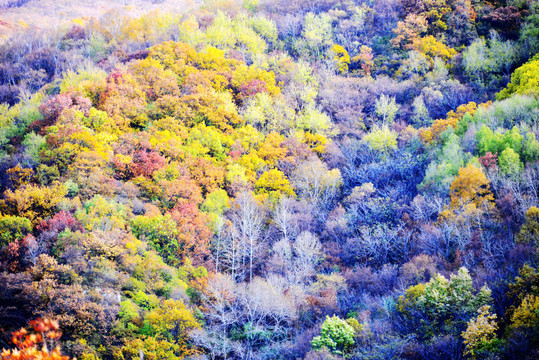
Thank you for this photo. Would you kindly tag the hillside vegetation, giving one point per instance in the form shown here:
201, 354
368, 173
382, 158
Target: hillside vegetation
259, 179
48, 14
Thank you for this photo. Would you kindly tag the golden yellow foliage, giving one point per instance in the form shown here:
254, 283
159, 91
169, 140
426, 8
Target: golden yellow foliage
433, 48
470, 195
529, 231
480, 335
527, 314
33, 202
408, 301
432, 134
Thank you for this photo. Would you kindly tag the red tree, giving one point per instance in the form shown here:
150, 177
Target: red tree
194, 234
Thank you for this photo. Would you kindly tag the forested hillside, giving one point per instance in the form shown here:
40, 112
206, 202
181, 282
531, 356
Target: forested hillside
270, 179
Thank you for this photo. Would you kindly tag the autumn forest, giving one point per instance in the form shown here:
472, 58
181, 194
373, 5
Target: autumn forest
269, 179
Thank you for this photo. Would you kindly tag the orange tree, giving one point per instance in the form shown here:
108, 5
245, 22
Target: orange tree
39, 344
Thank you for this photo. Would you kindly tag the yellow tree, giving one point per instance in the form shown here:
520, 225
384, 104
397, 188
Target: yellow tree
470, 195
341, 57
274, 183
432, 48
271, 150
433, 133
527, 314
529, 231
480, 335
172, 321
33, 202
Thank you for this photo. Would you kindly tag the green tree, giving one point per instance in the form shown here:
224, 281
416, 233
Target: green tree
248, 34
421, 113
445, 297
216, 202
443, 305
381, 139
268, 113
441, 173
33, 144
317, 33
529, 231
513, 139
484, 60
489, 141
524, 80
530, 148
13, 228
509, 162
529, 32
336, 335
313, 120
386, 108
161, 232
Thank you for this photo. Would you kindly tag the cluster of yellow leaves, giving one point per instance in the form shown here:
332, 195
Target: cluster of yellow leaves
433, 48
274, 182
33, 202
245, 74
527, 314
316, 142
529, 231
341, 57
432, 134
524, 80
270, 150
381, 139
470, 196
191, 99
408, 301
169, 323
171, 319
480, 332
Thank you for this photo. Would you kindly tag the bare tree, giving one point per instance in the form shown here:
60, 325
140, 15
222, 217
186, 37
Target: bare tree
219, 242
296, 261
263, 310
33, 250
308, 254
281, 261
282, 218
247, 218
318, 185
290, 217
233, 253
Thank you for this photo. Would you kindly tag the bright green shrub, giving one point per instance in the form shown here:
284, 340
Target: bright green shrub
336, 335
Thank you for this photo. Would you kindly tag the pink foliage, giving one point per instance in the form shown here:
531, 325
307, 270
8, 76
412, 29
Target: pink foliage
489, 161
146, 162
252, 88
60, 222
